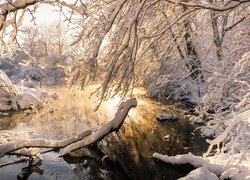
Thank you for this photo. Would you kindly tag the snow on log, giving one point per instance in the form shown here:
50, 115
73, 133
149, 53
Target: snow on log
212, 164
40, 143
200, 173
113, 125
196, 161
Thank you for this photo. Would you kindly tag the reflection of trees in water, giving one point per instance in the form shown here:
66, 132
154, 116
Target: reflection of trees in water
129, 150
27, 171
99, 168
12, 121
5, 125
135, 146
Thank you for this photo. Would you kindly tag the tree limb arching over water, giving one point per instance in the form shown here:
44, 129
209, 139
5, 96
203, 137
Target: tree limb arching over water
75, 142
113, 125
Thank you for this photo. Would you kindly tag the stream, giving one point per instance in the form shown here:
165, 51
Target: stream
125, 155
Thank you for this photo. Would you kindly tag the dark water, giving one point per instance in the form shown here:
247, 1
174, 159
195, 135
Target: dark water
128, 153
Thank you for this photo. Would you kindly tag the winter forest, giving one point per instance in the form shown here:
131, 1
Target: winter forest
125, 89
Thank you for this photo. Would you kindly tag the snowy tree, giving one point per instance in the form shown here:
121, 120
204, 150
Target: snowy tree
184, 50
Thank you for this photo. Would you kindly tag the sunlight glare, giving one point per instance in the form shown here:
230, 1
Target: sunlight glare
111, 105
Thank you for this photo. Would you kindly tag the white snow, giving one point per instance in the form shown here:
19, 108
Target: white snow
231, 160
200, 174
27, 100
20, 96
197, 120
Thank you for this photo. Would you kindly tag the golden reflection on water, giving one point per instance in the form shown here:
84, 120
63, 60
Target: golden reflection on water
74, 112
132, 146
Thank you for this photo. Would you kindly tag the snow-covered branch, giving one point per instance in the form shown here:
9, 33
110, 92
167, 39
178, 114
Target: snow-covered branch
72, 143
210, 6
113, 125
213, 164
13, 6
41, 143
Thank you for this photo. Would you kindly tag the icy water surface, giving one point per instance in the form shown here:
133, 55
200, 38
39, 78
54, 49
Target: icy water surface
128, 153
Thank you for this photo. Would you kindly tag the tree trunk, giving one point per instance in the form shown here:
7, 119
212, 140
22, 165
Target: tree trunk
193, 62
217, 35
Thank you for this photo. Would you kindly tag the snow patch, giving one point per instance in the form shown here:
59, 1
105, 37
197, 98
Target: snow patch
13, 97
200, 173
27, 100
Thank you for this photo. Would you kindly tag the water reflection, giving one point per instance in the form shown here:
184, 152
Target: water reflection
27, 171
142, 135
129, 151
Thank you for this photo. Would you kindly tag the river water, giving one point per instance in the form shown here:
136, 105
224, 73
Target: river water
127, 153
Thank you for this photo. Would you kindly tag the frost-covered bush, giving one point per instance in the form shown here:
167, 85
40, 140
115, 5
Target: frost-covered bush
174, 89
55, 76
228, 97
172, 82
229, 89
34, 73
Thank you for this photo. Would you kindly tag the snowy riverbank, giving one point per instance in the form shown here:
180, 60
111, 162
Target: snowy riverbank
14, 97
231, 158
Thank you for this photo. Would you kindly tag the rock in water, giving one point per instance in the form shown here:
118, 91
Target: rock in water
166, 117
197, 120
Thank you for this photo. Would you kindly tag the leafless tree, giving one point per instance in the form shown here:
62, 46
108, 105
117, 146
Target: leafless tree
186, 50
122, 41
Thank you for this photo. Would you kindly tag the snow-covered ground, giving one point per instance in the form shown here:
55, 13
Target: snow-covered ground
14, 97
232, 157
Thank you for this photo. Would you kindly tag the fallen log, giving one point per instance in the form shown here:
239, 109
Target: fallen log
40, 143
75, 142
222, 165
113, 125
